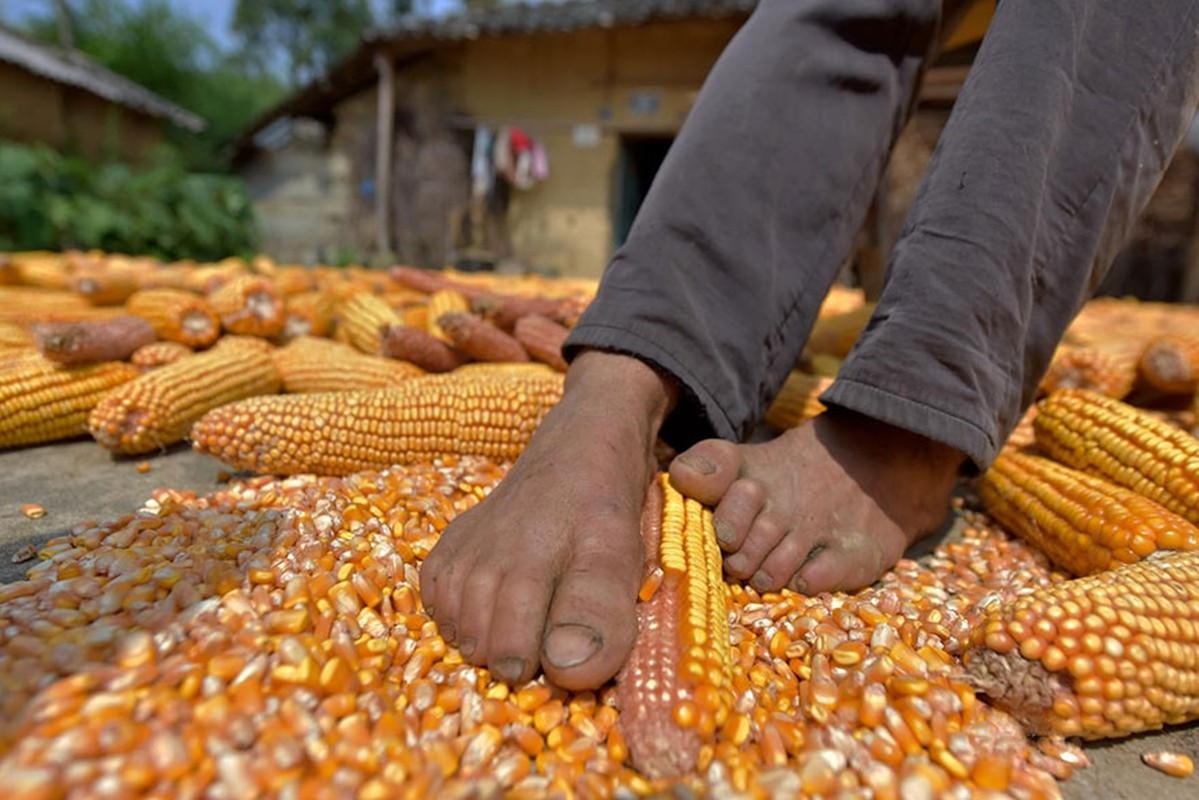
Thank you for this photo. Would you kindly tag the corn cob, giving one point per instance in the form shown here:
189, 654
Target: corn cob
479, 339
420, 348
416, 317
14, 337
294, 280
797, 401
44, 270
76, 343
431, 281
1105, 437
41, 401
22, 305
504, 310
159, 354
343, 432
249, 306
319, 365
675, 690
209, 278
836, 334
362, 321
106, 281
177, 316
1083, 523
1170, 364
159, 407
444, 302
1086, 368
1103, 656
543, 339
309, 314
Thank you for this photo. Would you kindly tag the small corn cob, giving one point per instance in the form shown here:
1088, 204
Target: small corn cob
836, 334
797, 401
1083, 523
1103, 656
44, 270
159, 354
293, 280
420, 348
441, 303
1170, 364
76, 343
479, 339
159, 407
14, 337
362, 321
1084, 368
1108, 438
41, 401
343, 432
543, 339
21, 305
249, 306
309, 314
177, 316
106, 281
675, 690
318, 365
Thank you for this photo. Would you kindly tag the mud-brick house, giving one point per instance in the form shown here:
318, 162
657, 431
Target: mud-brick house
56, 96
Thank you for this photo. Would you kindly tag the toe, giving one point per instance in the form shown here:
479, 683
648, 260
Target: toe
470, 630
763, 536
783, 562
516, 621
852, 561
736, 512
706, 471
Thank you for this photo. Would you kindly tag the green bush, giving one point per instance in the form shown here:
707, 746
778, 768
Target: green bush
56, 202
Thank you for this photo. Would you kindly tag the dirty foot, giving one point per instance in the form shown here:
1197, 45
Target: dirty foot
828, 506
545, 572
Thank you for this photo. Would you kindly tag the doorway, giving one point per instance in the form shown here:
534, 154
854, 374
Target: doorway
638, 163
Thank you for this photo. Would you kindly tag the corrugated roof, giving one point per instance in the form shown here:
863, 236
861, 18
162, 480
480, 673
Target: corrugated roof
74, 69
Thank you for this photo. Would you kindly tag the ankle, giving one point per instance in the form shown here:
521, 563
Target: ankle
891, 446
621, 387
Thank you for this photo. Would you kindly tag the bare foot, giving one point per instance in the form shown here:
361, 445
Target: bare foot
545, 571
828, 506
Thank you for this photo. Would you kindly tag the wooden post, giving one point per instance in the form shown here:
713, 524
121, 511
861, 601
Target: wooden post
385, 134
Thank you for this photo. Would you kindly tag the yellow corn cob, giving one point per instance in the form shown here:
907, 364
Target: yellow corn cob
362, 319
44, 270
1102, 656
249, 306
443, 302
159, 354
675, 690
14, 337
293, 280
319, 365
1085, 368
417, 317
177, 316
1170, 364
797, 401
836, 334
1083, 523
343, 432
1105, 437
107, 281
41, 401
159, 407
309, 314
22, 305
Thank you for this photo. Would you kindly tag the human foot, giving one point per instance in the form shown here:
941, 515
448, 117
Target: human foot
546, 570
829, 505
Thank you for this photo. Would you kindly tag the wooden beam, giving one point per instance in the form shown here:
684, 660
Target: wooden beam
384, 147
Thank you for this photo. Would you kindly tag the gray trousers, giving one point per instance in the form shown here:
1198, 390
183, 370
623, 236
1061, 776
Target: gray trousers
1068, 118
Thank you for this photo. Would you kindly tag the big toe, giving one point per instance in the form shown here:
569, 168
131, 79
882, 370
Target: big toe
707, 470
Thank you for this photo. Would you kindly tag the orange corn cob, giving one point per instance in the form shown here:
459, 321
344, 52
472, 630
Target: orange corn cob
343, 432
675, 690
23, 306
836, 334
318, 365
75, 343
177, 316
309, 314
362, 321
1083, 368
1083, 523
41, 401
440, 303
420, 348
293, 280
14, 337
107, 281
159, 354
505, 311
1170, 364
1108, 438
1103, 656
159, 407
797, 401
543, 339
44, 270
479, 339
249, 306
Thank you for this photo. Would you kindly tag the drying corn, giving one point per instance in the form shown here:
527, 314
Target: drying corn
1170, 364
479, 339
74, 343
309, 314
362, 321
420, 348
177, 316
249, 306
542, 338
159, 354
1086, 368
798, 401
443, 302
307, 364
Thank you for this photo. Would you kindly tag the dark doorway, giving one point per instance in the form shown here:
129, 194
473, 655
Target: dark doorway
640, 158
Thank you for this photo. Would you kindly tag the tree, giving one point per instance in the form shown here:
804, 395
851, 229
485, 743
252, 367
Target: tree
302, 37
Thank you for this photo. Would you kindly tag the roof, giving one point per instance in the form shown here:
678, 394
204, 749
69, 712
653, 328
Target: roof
72, 68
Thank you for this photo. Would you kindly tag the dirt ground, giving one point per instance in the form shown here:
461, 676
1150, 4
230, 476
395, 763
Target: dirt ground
79, 481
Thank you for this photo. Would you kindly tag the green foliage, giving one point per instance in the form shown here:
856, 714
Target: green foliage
305, 37
50, 201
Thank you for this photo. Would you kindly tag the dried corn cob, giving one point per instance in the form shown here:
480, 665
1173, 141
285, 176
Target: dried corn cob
76, 343
177, 316
41, 401
432, 281
159, 354
543, 339
1102, 656
797, 401
1085, 368
1170, 364
1105, 437
309, 314
1083, 523
836, 334
416, 317
44, 270
159, 407
293, 280
675, 690
249, 306
319, 365
479, 339
420, 348
362, 320
106, 281
343, 432
444, 302
23, 306
14, 337
504, 310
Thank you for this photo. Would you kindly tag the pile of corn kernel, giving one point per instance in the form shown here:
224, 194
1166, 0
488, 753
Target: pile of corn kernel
268, 638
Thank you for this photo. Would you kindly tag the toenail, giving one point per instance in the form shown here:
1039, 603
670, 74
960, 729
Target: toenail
699, 464
725, 533
467, 646
510, 669
760, 581
570, 645
798, 585
449, 632
735, 564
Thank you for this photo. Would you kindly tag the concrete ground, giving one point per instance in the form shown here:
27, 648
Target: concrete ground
78, 480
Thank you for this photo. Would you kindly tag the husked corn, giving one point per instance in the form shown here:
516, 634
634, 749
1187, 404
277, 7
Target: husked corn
362, 321
798, 401
159, 354
177, 316
1100, 371
443, 302
41, 401
249, 306
307, 364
